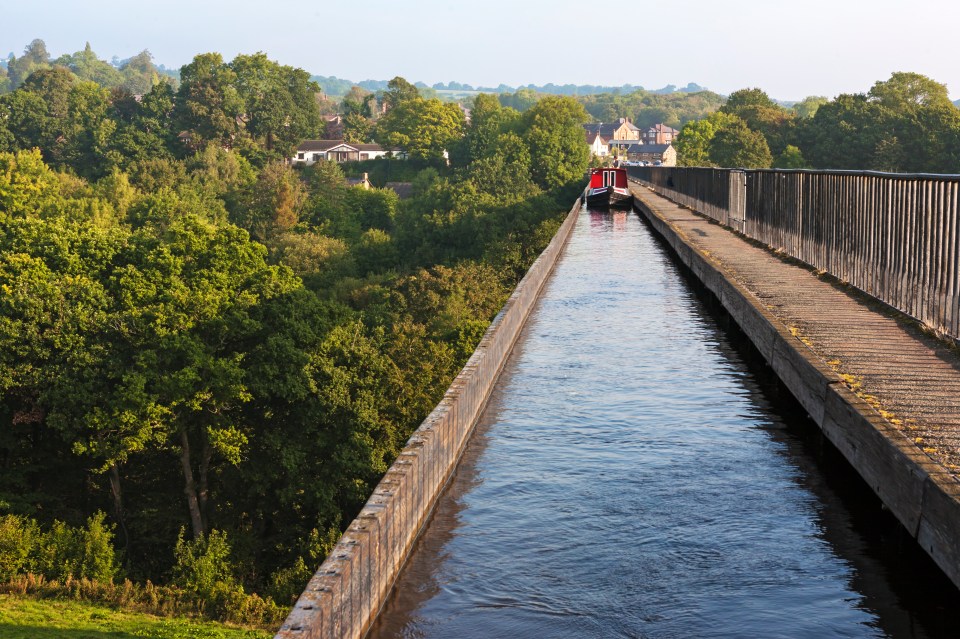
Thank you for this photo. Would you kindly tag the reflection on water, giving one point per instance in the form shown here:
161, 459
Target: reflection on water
633, 477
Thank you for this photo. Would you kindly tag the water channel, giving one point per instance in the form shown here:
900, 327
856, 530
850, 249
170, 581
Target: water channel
638, 474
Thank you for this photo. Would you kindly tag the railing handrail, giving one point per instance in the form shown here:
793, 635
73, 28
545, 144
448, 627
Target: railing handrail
888, 174
894, 236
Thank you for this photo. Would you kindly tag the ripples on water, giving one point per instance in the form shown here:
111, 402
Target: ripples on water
630, 480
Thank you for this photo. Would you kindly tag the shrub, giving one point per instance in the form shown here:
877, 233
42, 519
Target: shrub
81, 553
202, 566
18, 540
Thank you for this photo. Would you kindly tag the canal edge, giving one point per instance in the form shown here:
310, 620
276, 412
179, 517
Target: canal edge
347, 592
922, 495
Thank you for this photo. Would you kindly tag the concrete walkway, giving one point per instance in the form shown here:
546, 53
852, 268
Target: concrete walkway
910, 378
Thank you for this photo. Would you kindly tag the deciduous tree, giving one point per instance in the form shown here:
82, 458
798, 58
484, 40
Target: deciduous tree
554, 135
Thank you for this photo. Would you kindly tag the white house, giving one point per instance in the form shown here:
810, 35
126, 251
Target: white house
311, 151
598, 145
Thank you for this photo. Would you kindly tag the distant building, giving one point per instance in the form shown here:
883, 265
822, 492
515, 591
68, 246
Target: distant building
620, 129
665, 154
619, 147
311, 151
598, 145
659, 134
402, 189
363, 183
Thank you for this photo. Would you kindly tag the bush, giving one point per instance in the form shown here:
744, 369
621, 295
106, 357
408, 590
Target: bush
18, 539
202, 566
60, 553
81, 553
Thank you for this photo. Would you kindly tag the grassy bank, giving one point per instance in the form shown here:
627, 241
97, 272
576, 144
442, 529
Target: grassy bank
22, 618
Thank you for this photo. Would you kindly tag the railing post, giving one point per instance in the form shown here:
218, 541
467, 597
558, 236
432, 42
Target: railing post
737, 213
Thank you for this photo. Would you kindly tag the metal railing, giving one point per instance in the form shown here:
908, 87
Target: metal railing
893, 236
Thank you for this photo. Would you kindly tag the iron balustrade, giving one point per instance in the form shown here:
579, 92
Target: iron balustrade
894, 236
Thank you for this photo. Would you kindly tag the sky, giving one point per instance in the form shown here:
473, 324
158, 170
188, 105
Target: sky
789, 49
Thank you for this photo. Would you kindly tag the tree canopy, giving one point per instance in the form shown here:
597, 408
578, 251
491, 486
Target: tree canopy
180, 305
904, 124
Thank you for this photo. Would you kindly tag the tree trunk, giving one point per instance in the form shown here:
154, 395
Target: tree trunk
114, 476
190, 487
204, 488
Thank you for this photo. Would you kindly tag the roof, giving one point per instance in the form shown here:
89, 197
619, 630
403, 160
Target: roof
659, 149
592, 137
318, 145
662, 128
402, 189
308, 146
606, 129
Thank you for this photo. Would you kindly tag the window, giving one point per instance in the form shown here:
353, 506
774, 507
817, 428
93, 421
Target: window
300, 156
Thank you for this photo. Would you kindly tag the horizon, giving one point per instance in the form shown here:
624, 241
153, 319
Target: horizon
426, 41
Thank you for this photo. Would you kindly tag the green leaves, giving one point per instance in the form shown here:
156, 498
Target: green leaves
554, 134
722, 139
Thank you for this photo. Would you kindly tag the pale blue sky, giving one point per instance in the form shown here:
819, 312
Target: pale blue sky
790, 49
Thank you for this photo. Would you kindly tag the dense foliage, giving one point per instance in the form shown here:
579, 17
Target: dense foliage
904, 124
222, 353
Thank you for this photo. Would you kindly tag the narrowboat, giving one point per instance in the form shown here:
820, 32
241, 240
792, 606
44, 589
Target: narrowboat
608, 189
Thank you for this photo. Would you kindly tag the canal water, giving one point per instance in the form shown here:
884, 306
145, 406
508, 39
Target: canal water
638, 474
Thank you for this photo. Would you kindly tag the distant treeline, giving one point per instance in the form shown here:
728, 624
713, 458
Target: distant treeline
137, 74
339, 87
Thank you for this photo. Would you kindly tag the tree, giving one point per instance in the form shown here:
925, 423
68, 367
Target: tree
34, 57
279, 106
505, 170
398, 91
554, 135
747, 97
845, 133
358, 100
208, 106
762, 114
735, 145
171, 369
273, 203
807, 107
140, 74
521, 100
488, 121
143, 126
425, 129
694, 139
906, 92
5, 84
87, 66
791, 158
356, 128
23, 115
88, 132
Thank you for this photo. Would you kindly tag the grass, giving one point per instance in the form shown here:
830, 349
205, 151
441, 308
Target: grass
22, 618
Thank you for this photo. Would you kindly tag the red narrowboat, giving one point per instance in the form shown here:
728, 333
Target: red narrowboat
608, 189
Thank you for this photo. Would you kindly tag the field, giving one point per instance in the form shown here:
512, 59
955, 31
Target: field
53, 619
